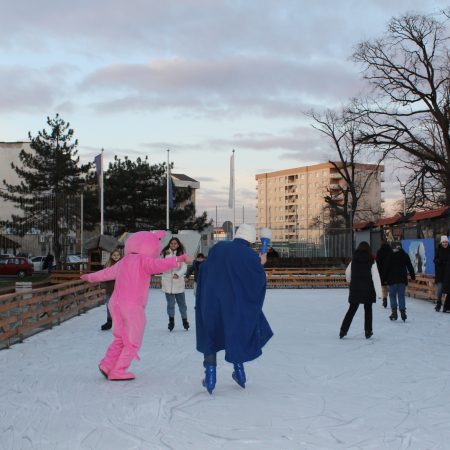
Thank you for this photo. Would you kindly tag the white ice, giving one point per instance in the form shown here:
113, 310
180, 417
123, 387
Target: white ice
309, 390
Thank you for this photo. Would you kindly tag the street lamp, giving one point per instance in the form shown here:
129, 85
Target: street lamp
403, 191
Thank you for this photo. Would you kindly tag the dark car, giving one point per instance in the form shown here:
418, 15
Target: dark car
16, 266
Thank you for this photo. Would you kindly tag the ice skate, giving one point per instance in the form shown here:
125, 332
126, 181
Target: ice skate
403, 314
186, 324
239, 375
209, 382
171, 325
394, 315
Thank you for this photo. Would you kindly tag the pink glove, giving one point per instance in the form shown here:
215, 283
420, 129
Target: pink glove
85, 277
181, 258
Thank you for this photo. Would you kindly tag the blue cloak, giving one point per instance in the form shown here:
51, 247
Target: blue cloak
230, 294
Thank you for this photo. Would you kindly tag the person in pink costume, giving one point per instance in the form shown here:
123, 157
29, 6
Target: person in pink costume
129, 299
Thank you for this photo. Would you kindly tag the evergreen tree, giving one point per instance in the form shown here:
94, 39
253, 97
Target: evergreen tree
51, 180
135, 198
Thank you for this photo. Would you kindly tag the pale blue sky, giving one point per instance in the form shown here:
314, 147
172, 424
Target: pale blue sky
200, 77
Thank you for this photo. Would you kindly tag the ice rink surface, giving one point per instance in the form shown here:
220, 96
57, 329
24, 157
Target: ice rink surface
309, 390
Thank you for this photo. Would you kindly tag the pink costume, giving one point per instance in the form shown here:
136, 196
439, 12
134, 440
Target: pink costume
129, 299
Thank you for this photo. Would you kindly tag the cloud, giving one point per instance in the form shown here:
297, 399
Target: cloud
265, 85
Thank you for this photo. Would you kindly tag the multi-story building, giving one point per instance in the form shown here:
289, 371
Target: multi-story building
291, 202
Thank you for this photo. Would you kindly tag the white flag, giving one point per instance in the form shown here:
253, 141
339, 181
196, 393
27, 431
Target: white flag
231, 193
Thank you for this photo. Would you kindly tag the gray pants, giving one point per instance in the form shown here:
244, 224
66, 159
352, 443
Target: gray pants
181, 301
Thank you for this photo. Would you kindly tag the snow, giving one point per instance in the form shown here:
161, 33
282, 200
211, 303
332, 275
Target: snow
309, 390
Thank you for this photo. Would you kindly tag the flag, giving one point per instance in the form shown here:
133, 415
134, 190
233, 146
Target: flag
98, 160
170, 187
231, 193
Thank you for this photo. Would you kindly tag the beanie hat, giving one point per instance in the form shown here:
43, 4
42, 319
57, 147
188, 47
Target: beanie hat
444, 239
246, 232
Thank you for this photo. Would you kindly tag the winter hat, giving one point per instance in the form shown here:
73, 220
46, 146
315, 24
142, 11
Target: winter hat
444, 239
246, 232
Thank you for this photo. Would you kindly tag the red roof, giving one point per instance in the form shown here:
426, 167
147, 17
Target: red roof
422, 215
388, 220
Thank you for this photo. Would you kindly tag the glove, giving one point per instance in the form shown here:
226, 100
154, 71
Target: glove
181, 258
85, 277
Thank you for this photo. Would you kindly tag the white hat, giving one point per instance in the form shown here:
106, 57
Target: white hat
444, 239
246, 232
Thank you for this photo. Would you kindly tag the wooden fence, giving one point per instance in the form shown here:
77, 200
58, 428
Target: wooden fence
28, 312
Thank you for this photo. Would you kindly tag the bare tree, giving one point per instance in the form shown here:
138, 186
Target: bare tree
343, 198
408, 114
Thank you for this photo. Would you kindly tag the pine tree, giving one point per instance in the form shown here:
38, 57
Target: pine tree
51, 179
135, 198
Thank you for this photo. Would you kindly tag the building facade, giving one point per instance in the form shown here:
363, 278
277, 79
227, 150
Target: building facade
291, 202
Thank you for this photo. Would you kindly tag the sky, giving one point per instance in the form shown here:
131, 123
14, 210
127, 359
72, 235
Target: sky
309, 390
198, 77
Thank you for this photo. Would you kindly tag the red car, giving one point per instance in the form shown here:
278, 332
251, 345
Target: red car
16, 265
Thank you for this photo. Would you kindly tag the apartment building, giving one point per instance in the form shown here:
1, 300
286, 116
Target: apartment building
291, 202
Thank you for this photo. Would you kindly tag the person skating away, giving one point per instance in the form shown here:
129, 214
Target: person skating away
173, 284
129, 298
231, 288
365, 287
109, 287
395, 274
441, 260
195, 269
382, 255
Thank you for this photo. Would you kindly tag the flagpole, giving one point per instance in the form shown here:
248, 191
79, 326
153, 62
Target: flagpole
101, 194
234, 199
167, 191
81, 229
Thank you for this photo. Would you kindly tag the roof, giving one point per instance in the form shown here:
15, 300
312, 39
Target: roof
8, 243
182, 177
430, 214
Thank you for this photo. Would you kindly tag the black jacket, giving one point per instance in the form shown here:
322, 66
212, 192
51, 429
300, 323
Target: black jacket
397, 267
382, 255
362, 289
440, 262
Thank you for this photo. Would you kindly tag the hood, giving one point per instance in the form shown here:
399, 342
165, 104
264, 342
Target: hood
362, 257
145, 243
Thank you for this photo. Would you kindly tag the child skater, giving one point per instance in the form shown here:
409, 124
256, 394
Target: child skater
129, 299
365, 287
109, 287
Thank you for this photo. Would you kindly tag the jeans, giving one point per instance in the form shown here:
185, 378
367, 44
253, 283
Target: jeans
438, 290
181, 301
108, 313
397, 291
350, 314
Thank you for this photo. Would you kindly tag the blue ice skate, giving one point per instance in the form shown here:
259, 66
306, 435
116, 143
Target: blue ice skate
209, 382
239, 374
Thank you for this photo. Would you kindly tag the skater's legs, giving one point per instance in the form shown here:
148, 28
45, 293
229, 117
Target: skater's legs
393, 289
353, 307
368, 318
181, 301
401, 296
170, 304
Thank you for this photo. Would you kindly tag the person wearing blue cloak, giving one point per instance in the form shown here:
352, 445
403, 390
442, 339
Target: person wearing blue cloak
228, 309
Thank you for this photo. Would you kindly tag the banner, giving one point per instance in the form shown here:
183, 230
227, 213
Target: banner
421, 253
98, 160
231, 193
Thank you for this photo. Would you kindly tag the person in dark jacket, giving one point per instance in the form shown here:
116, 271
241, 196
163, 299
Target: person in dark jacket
395, 274
114, 256
382, 255
195, 268
442, 256
365, 287
231, 287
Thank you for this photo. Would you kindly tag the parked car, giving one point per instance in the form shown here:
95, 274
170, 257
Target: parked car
16, 265
38, 261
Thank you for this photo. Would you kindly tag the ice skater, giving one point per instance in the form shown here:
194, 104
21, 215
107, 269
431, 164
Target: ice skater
365, 287
129, 299
230, 294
